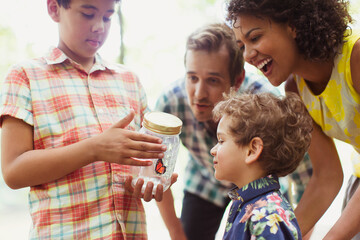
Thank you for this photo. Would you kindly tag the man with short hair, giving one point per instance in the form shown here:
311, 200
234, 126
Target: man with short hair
214, 64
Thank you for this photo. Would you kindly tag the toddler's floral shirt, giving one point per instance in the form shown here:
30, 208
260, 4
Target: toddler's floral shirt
260, 211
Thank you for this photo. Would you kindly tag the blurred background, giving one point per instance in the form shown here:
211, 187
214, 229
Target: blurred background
153, 35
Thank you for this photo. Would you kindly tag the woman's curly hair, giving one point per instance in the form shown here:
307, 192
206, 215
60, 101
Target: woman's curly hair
282, 123
320, 24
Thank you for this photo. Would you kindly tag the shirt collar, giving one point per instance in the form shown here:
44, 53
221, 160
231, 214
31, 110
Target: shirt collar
255, 188
56, 56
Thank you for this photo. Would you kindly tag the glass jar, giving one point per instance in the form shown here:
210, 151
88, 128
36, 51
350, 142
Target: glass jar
167, 127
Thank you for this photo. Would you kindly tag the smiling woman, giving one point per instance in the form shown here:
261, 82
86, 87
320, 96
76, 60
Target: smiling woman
307, 45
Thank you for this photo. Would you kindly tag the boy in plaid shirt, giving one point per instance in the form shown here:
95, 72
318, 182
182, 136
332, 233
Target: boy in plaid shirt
68, 122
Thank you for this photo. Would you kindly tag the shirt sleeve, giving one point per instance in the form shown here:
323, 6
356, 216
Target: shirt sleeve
170, 101
16, 96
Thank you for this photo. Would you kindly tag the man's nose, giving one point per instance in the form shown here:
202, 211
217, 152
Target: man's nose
201, 90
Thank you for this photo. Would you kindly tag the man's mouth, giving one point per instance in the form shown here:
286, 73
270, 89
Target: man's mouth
202, 106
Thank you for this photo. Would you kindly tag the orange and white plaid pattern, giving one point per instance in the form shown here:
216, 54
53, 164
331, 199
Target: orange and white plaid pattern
65, 105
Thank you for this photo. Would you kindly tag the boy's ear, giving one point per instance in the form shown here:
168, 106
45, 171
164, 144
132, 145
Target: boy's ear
53, 10
255, 148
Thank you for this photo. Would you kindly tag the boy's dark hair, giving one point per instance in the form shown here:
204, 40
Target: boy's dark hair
283, 124
211, 38
320, 24
66, 3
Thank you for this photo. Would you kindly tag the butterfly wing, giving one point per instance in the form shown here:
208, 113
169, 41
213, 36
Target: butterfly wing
160, 168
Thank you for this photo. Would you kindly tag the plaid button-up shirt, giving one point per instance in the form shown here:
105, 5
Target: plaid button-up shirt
65, 105
195, 136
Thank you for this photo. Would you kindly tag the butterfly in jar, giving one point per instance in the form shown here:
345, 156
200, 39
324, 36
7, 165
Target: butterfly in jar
159, 167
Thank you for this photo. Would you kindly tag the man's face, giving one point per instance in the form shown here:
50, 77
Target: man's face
207, 78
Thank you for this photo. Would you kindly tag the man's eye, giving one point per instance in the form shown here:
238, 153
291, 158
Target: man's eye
192, 78
213, 80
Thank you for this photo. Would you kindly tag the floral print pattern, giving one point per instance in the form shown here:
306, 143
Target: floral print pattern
259, 211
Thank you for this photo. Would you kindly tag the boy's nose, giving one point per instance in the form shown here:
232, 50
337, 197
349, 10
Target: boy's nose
98, 26
213, 151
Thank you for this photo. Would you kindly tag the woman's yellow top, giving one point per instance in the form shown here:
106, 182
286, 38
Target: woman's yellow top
337, 109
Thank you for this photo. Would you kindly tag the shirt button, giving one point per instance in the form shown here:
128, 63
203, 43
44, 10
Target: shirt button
101, 110
116, 178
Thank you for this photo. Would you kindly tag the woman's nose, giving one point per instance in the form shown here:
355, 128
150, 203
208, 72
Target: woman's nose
249, 53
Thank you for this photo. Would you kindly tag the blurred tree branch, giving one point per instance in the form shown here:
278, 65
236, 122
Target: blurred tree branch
121, 24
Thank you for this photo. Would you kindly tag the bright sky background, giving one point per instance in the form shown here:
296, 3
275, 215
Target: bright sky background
155, 34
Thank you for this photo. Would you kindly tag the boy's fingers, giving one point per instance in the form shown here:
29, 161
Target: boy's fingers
174, 177
141, 137
146, 147
148, 192
159, 193
131, 157
137, 189
128, 185
135, 162
125, 121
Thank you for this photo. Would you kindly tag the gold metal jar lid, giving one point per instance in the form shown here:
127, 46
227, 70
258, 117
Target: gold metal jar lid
163, 123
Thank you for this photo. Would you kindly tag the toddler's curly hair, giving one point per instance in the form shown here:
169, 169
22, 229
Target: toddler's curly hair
282, 123
320, 24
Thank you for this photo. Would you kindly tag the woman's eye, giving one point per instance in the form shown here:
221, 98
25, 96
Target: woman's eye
241, 45
254, 39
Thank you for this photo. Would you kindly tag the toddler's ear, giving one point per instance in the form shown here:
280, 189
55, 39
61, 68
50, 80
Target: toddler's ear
255, 148
53, 10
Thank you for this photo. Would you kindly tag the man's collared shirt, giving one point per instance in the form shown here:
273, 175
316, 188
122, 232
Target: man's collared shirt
65, 105
260, 211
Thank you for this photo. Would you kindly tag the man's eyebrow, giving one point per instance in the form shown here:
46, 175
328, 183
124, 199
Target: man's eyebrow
210, 73
215, 74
